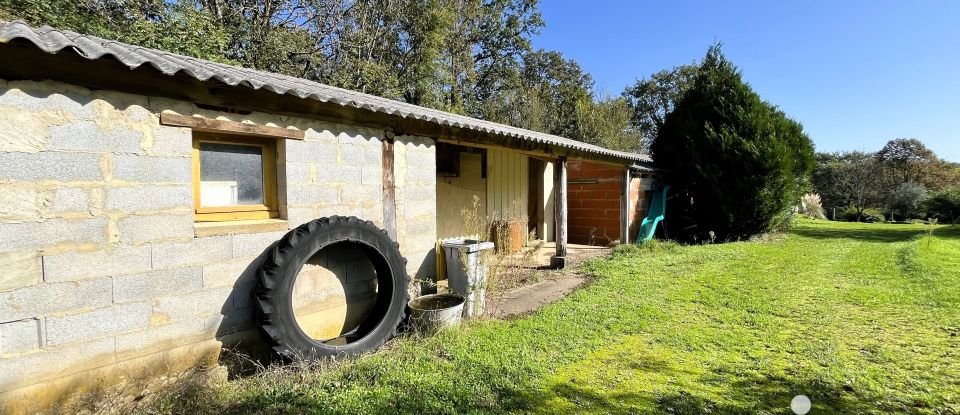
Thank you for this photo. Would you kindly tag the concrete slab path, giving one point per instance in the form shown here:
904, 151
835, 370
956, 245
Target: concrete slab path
527, 299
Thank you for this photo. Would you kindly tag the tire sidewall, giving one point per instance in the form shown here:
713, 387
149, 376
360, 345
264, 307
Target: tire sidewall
288, 335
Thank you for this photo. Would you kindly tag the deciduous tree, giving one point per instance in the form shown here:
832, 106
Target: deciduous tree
848, 179
905, 202
651, 99
945, 205
905, 160
175, 26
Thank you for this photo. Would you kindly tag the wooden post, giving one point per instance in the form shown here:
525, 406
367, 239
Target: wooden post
389, 190
625, 207
559, 259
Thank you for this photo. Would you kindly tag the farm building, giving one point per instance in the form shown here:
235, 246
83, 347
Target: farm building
155, 208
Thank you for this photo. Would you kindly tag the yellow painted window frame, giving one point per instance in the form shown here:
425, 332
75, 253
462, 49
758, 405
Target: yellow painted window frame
268, 210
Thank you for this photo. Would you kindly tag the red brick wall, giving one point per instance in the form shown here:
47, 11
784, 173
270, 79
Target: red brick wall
594, 203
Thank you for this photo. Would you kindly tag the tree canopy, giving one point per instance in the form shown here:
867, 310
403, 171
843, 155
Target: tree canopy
905, 160
894, 179
848, 179
651, 99
945, 205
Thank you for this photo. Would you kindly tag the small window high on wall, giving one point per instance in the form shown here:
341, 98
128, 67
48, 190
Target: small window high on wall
234, 178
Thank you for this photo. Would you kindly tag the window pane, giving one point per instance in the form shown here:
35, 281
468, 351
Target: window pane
230, 175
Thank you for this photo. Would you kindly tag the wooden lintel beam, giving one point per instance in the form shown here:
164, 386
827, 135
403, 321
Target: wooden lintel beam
232, 127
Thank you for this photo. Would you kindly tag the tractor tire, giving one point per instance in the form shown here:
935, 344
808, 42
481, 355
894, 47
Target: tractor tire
278, 273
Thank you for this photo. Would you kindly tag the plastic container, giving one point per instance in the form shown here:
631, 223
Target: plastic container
466, 273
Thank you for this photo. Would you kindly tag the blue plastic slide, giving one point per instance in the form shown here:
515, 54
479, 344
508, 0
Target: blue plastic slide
658, 209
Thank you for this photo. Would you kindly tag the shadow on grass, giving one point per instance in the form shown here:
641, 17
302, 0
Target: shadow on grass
950, 232
739, 396
868, 233
714, 393
771, 396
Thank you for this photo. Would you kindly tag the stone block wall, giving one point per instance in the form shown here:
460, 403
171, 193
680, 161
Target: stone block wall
416, 194
101, 274
334, 292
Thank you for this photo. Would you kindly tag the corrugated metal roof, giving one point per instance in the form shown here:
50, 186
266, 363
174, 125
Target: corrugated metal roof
53, 40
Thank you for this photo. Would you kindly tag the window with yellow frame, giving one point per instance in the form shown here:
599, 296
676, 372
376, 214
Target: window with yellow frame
234, 177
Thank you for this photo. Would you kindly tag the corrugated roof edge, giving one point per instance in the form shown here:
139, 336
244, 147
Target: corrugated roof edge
53, 40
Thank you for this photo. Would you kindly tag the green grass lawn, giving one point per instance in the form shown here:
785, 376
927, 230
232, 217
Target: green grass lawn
862, 318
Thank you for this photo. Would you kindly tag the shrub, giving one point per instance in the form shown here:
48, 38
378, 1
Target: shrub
874, 215
736, 163
868, 215
810, 206
945, 205
848, 178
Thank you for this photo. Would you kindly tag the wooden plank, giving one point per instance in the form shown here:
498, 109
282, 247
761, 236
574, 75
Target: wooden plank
389, 189
560, 186
495, 190
195, 156
232, 127
625, 207
548, 198
509, 184
534, 203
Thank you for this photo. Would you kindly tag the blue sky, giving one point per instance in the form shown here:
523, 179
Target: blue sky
856, 74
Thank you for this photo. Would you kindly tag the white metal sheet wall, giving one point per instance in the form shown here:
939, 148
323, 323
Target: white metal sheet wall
507, 184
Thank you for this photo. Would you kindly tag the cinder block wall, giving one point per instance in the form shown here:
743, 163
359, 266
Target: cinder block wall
416, 194
101, 277
334, 291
